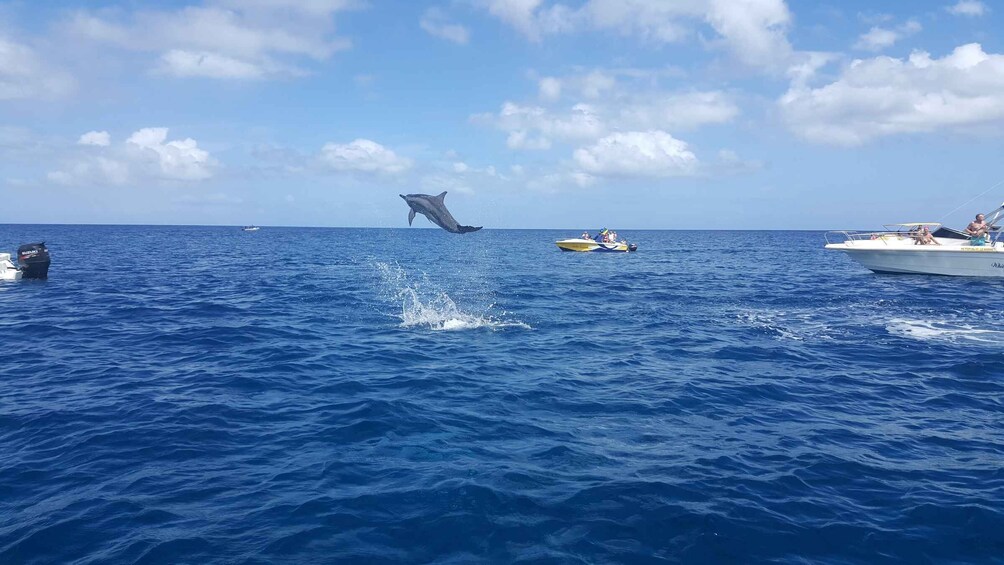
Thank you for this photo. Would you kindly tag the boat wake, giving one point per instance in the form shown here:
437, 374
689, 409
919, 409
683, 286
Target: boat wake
944, 331
828, 324
425, 306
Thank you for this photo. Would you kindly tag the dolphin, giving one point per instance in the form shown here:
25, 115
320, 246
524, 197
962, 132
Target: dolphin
432, 207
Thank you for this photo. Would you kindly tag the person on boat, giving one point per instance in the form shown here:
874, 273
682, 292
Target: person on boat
924, 237
585, 235
978, 231
602, 236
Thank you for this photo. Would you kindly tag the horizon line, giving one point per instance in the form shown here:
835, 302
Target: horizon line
283, 226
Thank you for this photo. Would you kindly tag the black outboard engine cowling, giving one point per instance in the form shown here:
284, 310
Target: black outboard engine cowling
33, 258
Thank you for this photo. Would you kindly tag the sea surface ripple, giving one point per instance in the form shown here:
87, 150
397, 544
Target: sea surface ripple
203, 395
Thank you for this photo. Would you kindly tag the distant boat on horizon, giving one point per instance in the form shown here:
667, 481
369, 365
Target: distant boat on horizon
250, 228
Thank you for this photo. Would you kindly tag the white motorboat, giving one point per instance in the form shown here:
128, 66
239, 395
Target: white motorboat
250, 228
8, 271
901, 249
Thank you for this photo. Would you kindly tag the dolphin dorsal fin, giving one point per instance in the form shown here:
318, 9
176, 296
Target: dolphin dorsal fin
441, 196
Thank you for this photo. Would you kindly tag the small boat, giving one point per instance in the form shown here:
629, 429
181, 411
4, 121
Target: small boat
583, 245
898, 249
32, 263
250, 228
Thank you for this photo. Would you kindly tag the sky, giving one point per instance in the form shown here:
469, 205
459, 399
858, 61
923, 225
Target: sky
573, 114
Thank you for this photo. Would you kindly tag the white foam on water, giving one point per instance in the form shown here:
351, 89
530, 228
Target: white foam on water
424, 306
768, 323
944, 330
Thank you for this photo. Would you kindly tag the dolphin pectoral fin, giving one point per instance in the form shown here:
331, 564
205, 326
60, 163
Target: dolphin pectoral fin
411, 216
468, 229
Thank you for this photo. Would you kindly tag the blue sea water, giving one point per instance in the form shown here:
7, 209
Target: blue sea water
204, 395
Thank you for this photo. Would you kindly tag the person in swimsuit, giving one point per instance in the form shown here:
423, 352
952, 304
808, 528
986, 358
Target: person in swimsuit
978, 231
925, 237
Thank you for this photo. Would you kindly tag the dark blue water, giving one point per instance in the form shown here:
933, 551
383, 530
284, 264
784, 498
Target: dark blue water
203, 395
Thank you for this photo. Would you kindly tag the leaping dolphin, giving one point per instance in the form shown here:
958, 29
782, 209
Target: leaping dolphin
432, 207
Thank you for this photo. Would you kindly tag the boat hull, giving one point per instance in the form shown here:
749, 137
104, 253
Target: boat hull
8, 272
960, 261
588, 245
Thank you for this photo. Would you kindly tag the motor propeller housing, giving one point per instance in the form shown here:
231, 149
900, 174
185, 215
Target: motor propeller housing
33, 258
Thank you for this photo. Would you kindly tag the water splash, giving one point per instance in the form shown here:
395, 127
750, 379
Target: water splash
425, 306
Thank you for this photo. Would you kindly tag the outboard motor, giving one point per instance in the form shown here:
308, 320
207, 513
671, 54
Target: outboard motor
33, 258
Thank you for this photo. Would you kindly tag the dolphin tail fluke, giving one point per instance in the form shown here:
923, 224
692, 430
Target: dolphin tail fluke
468, 229
411, 216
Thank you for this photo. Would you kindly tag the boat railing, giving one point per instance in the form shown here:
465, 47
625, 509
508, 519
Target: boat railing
843, 236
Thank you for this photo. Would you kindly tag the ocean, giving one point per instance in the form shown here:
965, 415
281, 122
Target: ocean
177, 394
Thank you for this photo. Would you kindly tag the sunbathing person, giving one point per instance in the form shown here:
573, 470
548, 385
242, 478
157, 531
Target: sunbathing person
924, 237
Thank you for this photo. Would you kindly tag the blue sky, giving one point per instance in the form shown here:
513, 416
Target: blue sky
745, 114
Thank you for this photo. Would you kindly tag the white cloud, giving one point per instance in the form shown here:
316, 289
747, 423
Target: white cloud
322, 8
580, 123
971, 8
730, 162
363, 156
622, 107
438, 182
24, 75
651, 21
678, 110
205, 64
550, 88
99, 138
753, 31
887, 96
146, 156
595, 84
92, 170
637, 154
623, 130
178, 160
530, 18
878, 38
435, 23
460, 177
520, 139
224, 39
